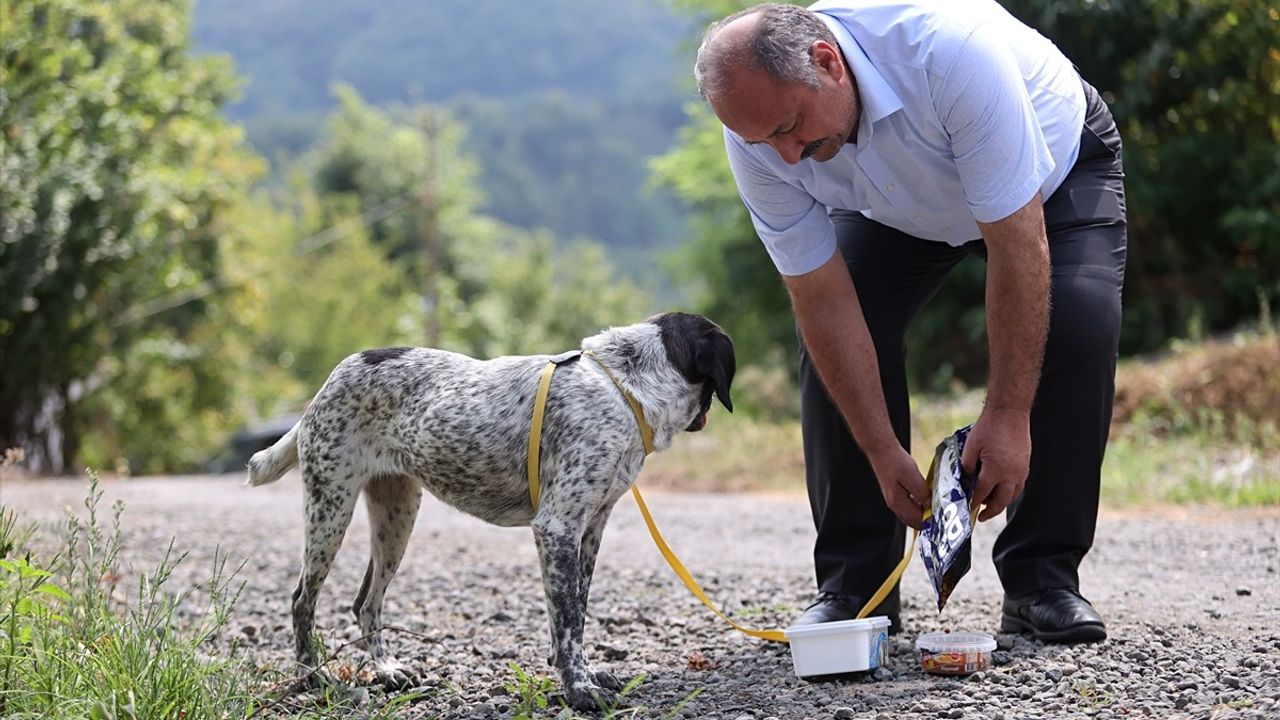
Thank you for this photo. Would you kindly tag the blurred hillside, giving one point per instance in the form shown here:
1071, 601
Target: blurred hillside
564, 101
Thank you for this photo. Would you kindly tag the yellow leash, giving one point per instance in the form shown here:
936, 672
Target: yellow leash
646, 436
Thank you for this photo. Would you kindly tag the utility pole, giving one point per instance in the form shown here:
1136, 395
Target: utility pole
429, 222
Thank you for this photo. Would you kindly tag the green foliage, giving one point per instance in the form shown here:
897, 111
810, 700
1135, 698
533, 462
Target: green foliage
116, 166
740, 288
577, 167
497, 289
530, 691
1195, 87
305, 303
153, 302
371, 157
163, 408
536, 297
296, 297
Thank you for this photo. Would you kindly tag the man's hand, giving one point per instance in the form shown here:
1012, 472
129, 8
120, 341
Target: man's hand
999, 449
904, 488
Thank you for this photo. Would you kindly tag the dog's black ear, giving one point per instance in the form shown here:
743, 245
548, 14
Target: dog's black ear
715, 361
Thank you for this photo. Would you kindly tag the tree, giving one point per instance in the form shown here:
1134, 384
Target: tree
1195, 88
115, 167
498, 289
537, 297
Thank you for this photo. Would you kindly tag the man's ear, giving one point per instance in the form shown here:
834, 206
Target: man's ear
827, 57
715, 361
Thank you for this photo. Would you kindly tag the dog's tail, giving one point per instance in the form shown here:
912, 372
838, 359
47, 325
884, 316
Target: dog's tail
266, 466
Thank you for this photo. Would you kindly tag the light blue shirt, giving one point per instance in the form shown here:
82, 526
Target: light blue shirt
966, 113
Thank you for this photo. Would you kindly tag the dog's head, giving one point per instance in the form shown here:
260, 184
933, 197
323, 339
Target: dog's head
703, 354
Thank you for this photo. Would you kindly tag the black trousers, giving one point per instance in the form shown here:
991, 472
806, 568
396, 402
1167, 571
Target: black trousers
1051, 526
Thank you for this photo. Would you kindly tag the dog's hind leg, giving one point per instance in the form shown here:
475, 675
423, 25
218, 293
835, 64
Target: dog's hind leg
392, 502
329, 499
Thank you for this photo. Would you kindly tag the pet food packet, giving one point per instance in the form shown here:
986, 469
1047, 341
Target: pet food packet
944, 536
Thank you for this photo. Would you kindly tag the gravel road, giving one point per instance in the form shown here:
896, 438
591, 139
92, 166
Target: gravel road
1191, 596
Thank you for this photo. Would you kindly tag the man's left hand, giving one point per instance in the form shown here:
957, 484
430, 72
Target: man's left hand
999, 448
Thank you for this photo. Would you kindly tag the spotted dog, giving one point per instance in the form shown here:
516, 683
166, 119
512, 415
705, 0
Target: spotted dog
393, 421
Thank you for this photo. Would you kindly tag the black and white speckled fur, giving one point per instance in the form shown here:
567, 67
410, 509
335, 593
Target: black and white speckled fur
391, 422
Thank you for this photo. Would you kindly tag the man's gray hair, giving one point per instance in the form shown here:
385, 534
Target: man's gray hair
780, 44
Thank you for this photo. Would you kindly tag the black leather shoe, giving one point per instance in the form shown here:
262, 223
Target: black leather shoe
834, 607
1059, 615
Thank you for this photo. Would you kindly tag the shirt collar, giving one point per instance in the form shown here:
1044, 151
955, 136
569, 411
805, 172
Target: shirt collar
878, 100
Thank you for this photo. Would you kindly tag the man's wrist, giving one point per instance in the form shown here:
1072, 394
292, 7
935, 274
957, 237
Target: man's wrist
1006, 411
883, 451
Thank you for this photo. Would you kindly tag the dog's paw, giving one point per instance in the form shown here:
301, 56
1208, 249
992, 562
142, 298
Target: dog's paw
393, 675
606, 680
590, 696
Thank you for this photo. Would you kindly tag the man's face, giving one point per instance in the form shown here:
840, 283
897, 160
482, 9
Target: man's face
797, 121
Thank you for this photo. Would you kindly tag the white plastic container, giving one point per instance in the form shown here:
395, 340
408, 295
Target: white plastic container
958, 653
839, 647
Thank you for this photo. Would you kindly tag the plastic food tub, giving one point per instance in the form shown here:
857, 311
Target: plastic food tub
959, 653
839, 647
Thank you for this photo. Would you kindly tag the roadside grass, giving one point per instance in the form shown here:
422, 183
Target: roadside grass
1199, 468
1199, 425
80, 640
1197, 465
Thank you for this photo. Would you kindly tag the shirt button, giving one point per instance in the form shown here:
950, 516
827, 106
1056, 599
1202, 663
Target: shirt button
890, 187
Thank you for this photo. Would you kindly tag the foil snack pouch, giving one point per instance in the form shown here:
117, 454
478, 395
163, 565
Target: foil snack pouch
944, 535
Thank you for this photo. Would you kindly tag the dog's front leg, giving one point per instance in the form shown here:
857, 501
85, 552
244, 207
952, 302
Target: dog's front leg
559, 545
586, 569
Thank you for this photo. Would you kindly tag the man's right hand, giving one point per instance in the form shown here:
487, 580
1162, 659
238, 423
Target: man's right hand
904, 488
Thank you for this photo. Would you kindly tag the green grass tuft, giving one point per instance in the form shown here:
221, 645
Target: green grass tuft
80, 643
